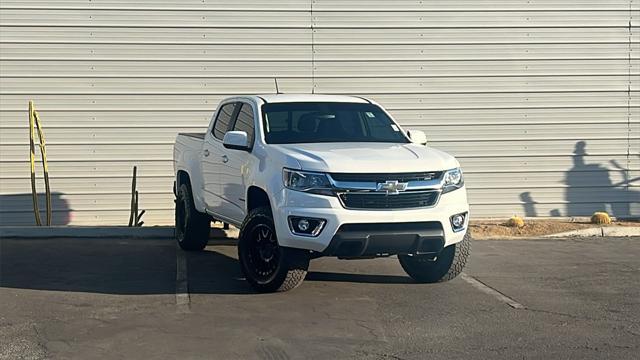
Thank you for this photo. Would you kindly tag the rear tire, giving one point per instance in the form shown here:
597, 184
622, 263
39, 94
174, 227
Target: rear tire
445, 267
266, 265
192, 227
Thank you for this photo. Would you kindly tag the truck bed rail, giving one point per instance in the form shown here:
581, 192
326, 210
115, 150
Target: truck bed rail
193, 135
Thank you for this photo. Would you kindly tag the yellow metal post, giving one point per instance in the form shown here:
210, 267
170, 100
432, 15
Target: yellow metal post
34, 122
34, 193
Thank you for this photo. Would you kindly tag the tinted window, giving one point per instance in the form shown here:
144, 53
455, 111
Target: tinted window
244, 121
222, 121
287, 123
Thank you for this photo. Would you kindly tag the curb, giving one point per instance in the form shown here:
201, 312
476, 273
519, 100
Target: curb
166, 232
601, 231
101, 232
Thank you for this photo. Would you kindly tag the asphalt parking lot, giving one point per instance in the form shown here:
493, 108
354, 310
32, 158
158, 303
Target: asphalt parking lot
120, 298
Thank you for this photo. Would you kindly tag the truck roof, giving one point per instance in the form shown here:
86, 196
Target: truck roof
280, 98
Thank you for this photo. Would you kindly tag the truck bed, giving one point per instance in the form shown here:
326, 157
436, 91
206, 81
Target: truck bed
186, 152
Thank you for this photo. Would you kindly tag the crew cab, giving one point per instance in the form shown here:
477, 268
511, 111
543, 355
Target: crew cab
305, 176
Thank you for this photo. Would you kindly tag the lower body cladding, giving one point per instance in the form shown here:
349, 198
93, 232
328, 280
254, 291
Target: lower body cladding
382, 239
332, 230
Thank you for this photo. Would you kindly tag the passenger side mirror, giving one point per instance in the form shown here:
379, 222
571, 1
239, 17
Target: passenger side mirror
237, 140
417, 136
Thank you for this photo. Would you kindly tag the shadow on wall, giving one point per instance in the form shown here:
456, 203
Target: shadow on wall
17, 210
529, 204
590, 189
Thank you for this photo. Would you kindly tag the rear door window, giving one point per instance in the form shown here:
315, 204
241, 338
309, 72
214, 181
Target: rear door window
223, 120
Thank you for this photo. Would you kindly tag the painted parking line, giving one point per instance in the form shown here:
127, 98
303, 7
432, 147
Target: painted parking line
182, 285
491, 291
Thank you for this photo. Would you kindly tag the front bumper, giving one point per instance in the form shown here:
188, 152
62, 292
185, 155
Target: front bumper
390, 231
370, 240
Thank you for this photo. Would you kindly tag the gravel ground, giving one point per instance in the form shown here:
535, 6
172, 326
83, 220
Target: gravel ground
493, 229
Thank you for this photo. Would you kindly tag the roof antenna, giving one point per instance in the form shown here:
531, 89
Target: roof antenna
276, 81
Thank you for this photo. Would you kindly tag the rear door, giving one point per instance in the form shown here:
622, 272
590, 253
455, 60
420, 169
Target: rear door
235, 164
212, 152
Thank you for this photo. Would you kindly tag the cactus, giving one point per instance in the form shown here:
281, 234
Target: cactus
135, 216
600, 217
515, 221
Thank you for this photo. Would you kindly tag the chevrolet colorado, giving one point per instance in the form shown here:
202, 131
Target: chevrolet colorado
305, 176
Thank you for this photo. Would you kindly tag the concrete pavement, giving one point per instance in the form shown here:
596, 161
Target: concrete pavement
116, 298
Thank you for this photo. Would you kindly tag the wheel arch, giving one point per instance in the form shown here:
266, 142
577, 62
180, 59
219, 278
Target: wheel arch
182, 177
257, 197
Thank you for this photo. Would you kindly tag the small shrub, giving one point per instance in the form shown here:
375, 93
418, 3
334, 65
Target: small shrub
600, 217
515, 221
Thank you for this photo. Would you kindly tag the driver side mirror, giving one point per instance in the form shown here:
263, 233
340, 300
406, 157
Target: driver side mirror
417, 136
236, 140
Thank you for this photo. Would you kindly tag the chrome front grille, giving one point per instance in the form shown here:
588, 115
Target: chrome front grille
382, 177
368, 190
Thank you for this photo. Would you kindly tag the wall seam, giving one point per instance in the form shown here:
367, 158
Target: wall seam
628, 167
313, 49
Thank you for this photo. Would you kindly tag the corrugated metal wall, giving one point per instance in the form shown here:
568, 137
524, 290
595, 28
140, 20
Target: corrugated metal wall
539, 99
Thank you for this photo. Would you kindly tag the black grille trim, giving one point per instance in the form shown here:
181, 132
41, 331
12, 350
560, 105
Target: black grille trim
380, 200
382, 177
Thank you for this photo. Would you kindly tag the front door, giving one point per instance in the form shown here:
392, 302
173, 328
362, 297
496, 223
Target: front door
212, 157
235, 164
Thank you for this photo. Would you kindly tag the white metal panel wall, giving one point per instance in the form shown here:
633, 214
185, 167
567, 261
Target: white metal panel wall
540, 100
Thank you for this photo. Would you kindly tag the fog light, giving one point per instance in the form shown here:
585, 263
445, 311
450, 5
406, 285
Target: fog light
458, 221
303, 225
306, 226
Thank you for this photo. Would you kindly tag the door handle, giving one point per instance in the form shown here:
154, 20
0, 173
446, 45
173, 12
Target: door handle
206, 152
225, 158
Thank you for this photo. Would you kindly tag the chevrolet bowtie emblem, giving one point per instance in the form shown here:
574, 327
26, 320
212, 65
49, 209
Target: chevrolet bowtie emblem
392, 187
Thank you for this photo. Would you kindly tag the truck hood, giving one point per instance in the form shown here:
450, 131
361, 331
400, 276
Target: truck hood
367, 157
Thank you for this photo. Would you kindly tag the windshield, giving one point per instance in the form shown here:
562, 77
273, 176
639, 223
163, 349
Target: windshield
314, 122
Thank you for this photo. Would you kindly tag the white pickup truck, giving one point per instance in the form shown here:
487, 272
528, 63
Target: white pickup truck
305, 176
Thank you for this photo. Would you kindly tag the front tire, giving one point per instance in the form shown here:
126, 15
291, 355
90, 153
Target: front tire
192, 227
445, 267
266, 265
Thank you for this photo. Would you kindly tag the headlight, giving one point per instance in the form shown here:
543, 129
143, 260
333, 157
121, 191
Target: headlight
452, 180
317, 183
